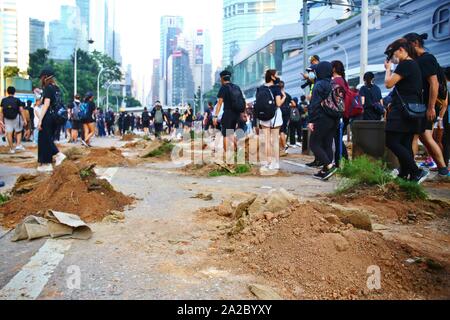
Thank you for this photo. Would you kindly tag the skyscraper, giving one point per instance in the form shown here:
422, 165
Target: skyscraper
180, 84
37, 35
9, 37
171, 27
84, 7
201, 60
64, 34
245, 20
155, 81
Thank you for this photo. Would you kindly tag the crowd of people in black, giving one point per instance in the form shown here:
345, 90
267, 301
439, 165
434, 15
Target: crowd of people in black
415, 110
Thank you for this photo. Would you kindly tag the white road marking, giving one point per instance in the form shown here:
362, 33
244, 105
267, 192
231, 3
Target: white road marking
32, 279
297, 164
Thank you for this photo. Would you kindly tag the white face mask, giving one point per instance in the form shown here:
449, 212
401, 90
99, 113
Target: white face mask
395, 60
312, 76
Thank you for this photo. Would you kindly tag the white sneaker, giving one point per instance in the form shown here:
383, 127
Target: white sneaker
46, 168
20, 148
274, 166
12, 151
60, 157
299, 144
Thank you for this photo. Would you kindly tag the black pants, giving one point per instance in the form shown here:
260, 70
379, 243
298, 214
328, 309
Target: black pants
322, 139
110, 127
295, 127
446, 142
339, 143
400, 144
46, 146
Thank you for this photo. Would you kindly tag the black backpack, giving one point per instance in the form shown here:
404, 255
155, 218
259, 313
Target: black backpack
443, 91
11, 110
265, 106
145, 116
236, 98
59, 109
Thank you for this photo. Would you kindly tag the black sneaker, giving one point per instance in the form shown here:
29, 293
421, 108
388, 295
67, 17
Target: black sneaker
331, 172
320, 175
314, 164
422, 177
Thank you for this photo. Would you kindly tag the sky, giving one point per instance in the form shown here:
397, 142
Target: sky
139, 26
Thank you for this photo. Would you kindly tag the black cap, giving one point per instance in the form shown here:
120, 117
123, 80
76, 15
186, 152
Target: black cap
47, 72
89, 95
225, 73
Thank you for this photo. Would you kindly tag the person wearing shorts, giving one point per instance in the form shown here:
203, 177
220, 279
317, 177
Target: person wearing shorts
12, 115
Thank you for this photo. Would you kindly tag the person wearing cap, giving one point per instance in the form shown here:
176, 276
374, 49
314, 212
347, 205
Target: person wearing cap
47, 123
89, 121
230, 117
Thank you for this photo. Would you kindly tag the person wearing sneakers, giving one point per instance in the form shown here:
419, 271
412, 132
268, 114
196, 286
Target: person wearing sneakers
46, 126
12, 114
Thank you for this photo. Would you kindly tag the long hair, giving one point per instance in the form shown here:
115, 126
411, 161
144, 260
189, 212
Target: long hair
338, 67
269, 74
47, 81
402, 43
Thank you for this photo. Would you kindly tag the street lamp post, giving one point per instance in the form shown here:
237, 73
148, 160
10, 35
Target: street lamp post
98, 83
107, 96
336, 46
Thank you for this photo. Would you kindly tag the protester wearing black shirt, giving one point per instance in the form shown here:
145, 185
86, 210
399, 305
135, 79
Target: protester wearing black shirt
286, 115
400, 129
12, 116
371, 98
47, 123
89, 123
429, 68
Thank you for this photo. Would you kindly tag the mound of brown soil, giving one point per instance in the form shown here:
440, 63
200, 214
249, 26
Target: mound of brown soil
391, 205
129, 137
307, 252
105, 158
90, 198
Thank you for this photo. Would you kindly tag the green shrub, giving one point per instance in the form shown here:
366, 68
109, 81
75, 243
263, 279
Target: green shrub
238, 170
165, 148
366, 172
4, 198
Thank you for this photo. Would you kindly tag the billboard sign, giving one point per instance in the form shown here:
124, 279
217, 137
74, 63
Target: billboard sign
199, 54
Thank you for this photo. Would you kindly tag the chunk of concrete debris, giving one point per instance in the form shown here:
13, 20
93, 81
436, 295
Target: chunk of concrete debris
264, 292
203, 196
114, 217
355, 216
242, 207
275, 201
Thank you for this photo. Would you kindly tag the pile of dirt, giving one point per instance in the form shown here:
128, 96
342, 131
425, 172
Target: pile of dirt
129, 137
390, 204
307, 251
140, 145
69, 190
105, 158
214, 170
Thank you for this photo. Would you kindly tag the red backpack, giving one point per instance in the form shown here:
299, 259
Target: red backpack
353, 104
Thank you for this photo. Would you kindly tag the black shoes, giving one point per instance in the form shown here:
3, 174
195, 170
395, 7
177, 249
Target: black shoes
325, 175
314, 164
422, 177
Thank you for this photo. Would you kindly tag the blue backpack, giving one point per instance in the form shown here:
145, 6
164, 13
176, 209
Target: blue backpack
83, 114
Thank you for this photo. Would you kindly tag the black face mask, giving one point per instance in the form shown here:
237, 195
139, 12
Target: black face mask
277, 81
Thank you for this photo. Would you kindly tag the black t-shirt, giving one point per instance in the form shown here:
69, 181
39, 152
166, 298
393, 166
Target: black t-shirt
145, 116
189, 117
410, 89
286, 108
176, 118
50, 92
429, 67
13, 103
91, 110
224, 94
371, 96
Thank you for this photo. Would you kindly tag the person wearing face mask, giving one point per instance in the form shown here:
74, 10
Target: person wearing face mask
322, 126
310, 75
400, 128
271, 128
430, 82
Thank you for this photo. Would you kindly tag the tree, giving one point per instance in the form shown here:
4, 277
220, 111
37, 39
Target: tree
38, 60
132, 102
10, 72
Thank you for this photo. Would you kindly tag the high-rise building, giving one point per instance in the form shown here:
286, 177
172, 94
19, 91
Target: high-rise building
180, 84
155, 81
9, 33
64, 34
84, 7
97, 30
245, 20
171, 27
37, 35
112, 37
201, 63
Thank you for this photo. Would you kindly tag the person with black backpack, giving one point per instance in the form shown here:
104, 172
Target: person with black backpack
325, 110
231, 98
47, 122
371, 98
295, 123
146, 121
12, 115
434, 88
75, 118
269, 100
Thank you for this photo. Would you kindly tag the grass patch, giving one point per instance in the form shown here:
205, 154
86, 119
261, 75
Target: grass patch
236, 171
364, 171
165, 148
4, 198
